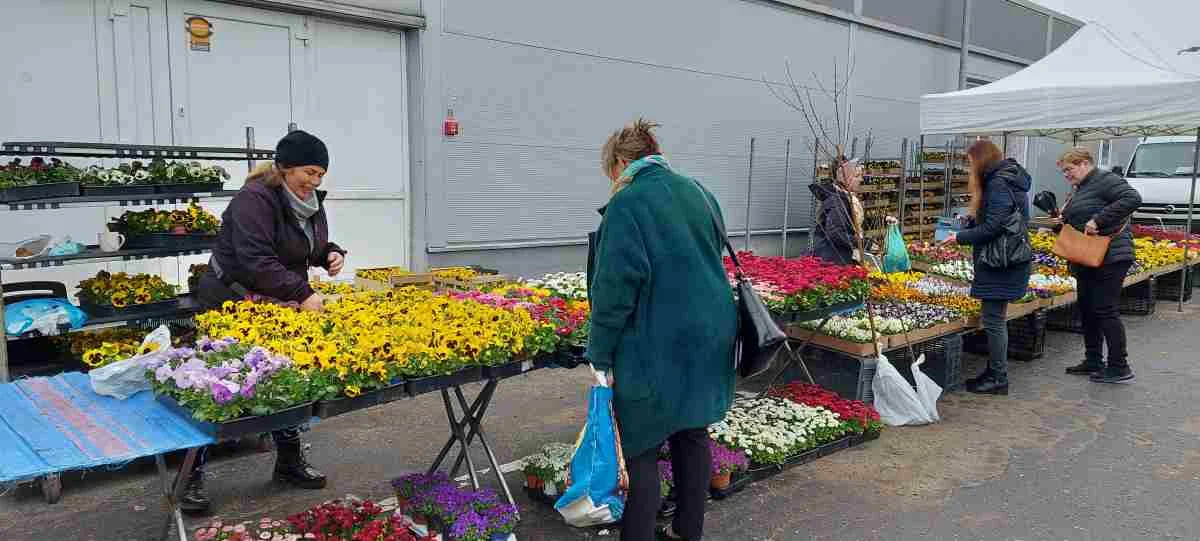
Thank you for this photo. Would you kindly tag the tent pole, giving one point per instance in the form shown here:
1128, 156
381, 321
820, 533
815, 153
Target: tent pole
965, 50
787, 194
1183, 285
749, 192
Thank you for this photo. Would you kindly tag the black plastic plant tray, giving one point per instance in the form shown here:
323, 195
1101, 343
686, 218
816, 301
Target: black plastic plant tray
325, 409
197, 187
131, 311
39, 191
507, 370
294, 416
820, 313
429, 384
803, 457
169, 241
111, 191
859, 439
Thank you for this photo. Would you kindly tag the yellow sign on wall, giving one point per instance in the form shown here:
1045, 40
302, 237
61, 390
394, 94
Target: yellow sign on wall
200, 33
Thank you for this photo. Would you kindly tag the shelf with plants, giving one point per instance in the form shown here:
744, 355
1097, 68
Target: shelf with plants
38, 178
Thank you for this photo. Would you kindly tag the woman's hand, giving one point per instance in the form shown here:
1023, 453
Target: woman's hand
1091, 228
336, 262
1056, 220
314, 303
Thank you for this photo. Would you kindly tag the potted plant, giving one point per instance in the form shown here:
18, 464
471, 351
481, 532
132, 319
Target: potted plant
725, 462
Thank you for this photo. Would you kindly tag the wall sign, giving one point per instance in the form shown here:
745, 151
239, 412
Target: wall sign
200, 33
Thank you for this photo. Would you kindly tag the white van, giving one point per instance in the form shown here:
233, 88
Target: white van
1161, 170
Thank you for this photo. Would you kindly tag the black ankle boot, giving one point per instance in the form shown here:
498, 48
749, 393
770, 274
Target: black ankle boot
993, 384
291, 466
194, 500
1085, 368
971, 382
1114, 374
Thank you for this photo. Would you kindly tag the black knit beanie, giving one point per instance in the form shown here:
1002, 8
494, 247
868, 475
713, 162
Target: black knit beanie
301, 148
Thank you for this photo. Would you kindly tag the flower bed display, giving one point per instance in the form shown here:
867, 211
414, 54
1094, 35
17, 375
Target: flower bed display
858, 416
1158, 234
369, 340
157, 172
566, 319
338, 520
223, 380
803, 284
435, 502
771, 430
466, 279
567, 285
106, 293
934, 253
1048, 286
1153, 254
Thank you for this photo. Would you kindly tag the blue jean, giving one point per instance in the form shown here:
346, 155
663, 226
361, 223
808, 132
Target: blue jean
996, 328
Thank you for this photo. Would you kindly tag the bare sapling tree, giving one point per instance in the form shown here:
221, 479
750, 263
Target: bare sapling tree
831, 136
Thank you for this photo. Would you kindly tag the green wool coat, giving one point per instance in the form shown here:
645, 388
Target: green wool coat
663, 313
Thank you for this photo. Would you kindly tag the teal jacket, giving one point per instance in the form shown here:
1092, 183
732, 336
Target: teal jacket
663, 313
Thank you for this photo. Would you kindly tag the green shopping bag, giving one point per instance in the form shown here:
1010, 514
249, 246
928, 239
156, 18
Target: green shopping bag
895, 259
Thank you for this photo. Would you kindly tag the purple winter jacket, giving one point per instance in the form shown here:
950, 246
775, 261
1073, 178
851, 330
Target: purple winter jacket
262, 247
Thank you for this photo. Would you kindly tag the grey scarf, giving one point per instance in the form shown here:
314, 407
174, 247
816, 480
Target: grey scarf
304, 211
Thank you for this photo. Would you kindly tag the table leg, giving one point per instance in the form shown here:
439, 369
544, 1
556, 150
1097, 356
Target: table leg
478, 411
437, 463
173, 491
456, 429
477, 428
794, 355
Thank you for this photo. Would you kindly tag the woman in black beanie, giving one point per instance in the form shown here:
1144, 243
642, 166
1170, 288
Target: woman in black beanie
273, 231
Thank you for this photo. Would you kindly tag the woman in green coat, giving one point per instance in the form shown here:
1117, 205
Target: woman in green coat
663, 326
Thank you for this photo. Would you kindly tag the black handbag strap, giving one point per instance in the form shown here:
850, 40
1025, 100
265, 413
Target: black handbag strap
720, 225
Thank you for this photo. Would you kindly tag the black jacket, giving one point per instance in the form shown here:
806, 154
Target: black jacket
1105, 197
1005, 189
262, 247
833, 239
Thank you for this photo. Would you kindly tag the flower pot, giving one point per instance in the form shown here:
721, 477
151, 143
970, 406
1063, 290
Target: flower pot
721, 481
420, 520
534, 482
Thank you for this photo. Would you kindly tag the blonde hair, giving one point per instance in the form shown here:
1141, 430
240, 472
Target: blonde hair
1076, 156
633, 142
266, 173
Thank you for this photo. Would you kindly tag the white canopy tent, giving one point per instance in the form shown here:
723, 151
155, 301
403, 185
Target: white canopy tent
1098, 85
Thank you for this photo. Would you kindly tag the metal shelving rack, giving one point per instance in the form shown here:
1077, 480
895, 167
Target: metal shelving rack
185, 308
945, 192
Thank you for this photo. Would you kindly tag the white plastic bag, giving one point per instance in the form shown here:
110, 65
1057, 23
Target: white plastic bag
928, 391
126, 378
898, 404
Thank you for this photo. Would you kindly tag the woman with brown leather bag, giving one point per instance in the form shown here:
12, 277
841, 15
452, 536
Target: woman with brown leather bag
1101, 203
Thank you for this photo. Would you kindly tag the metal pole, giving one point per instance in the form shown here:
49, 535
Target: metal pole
249, 148
902, 182
813, 206
787, 194
1183, 285
3, 343
292, 127
1005, 143
965, 50
749, 191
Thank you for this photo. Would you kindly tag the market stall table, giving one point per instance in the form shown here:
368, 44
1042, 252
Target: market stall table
58, 424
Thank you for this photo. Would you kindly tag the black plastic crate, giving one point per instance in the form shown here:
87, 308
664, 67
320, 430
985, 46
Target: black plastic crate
1139, 299
844, 374
943, 361
113, 191
131, 312
1026, 338
1167, 286
1064, 318
169, 241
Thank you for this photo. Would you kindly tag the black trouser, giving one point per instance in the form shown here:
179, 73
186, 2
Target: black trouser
996, 327
1100, 308
283, 439
691, 465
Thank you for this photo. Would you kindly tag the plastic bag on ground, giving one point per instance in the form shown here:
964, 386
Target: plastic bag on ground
898, 404
928, 391
126, 378
42, 315
896, 257
596, 473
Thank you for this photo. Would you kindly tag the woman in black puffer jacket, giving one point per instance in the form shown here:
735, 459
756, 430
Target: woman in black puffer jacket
1101, 204
999, 187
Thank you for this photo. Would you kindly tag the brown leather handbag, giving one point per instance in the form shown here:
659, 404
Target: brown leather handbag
1081, 248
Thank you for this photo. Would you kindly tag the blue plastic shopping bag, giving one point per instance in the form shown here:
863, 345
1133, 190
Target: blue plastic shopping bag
596, 476
896, 257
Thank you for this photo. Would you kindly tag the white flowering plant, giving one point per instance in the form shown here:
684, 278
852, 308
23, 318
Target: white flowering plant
770, 430
958, 270
571, 286
550, 463
158, 171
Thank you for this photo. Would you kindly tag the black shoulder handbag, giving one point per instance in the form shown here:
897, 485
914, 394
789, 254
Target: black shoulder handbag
1011, 248
759, 338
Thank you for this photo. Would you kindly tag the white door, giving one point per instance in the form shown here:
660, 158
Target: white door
247, 76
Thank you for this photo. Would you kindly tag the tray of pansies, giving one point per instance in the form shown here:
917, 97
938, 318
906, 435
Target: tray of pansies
112, 294
154, 228
804, 288
230, 389
385, 278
